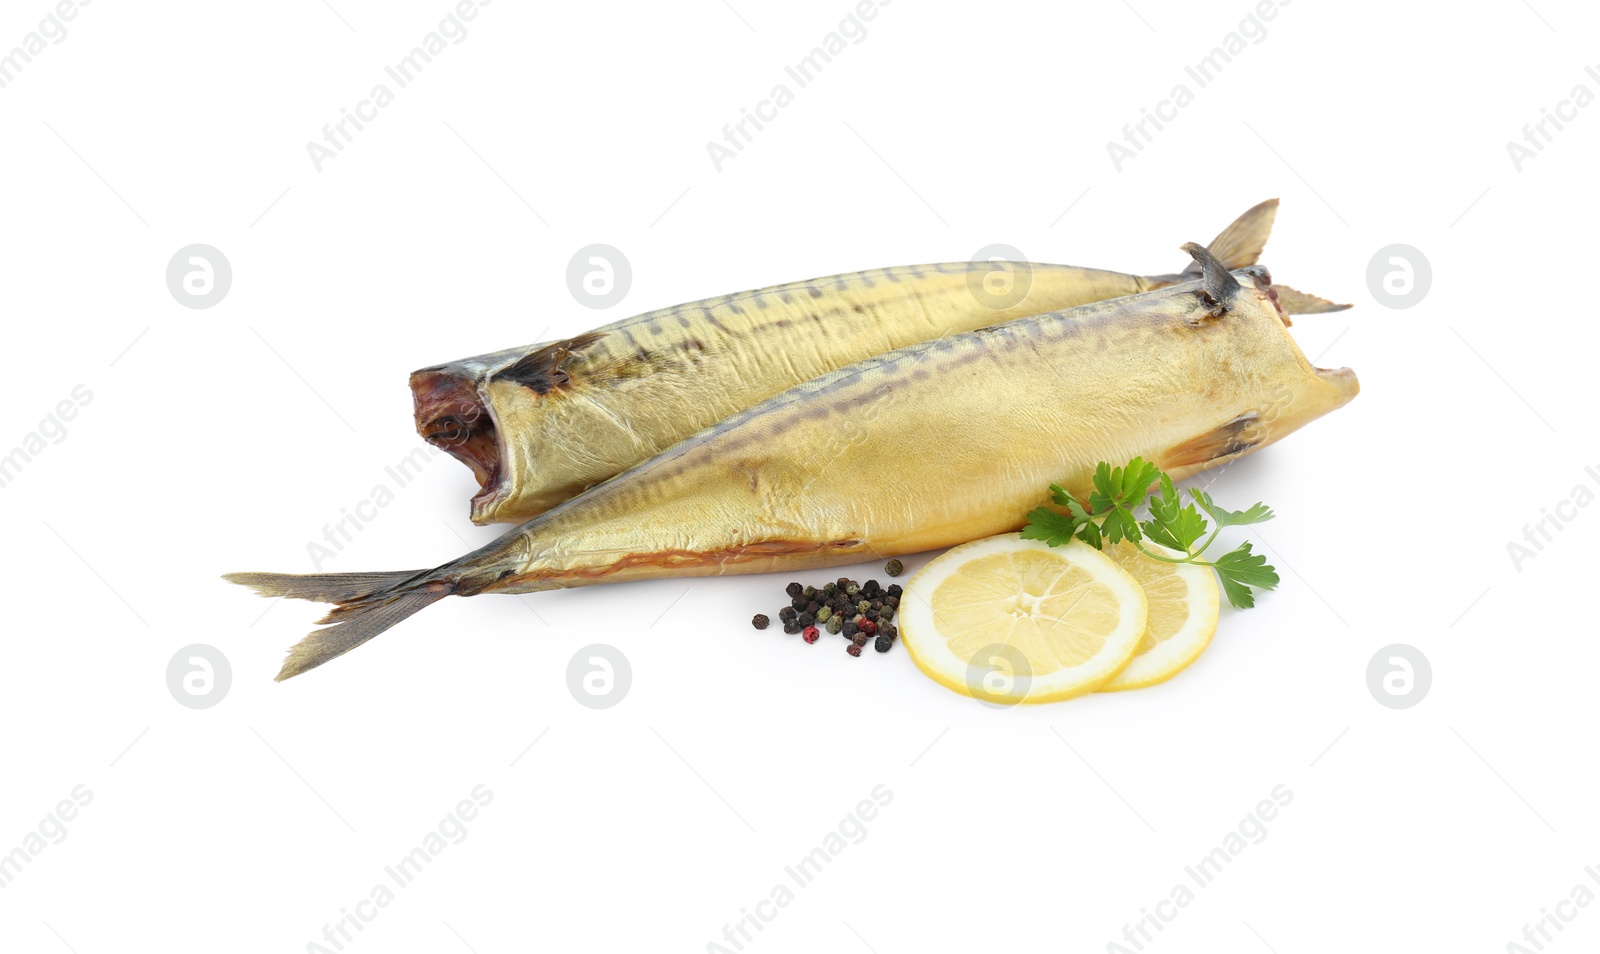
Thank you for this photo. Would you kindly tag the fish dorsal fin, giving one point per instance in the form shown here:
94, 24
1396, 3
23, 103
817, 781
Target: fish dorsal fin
1221, 288
543, 370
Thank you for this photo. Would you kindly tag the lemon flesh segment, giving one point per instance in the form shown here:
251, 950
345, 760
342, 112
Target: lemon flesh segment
1060, 621
1183, 606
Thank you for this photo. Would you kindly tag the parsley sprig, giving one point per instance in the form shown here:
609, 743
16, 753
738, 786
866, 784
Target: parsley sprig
1110, 517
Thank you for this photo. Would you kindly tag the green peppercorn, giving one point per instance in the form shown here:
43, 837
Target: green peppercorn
863, 606
824, 614
828, 588
810, 592
894, 568
853, 589
834, 625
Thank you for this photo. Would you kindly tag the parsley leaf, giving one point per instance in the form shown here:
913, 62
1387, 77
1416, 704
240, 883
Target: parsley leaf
1119, 492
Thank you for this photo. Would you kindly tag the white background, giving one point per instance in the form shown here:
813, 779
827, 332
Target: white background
225, 439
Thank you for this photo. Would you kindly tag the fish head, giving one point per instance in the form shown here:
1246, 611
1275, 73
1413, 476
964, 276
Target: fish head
1292, 391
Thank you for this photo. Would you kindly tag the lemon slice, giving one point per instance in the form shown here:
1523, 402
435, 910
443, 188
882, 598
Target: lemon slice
1184, 603
1009, 620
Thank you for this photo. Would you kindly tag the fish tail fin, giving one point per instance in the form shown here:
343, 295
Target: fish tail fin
1297, 302
365, 604
1240, 244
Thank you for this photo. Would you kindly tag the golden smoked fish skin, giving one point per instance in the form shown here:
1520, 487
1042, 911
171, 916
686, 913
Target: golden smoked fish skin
927, 446
540, 425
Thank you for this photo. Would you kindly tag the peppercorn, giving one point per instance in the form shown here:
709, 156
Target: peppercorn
882, 644
892, 602
828, 588
810, 592
871, 586
812, 607
873, 615
868, 627
894, 568
791, 627
853, 649
799, 603
843, 582
806, 619
835, 625
895, 589
759, 621
809, 634
850, 629
888, 629
794, 590
787, 612
824, 614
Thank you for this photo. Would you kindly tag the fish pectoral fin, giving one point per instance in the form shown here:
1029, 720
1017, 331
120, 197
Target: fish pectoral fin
1221, 287
1295, 302
543, 370
1240, 244
1234, 437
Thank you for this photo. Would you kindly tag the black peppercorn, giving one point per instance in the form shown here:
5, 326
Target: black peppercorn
849, 628
794, 590
882, 643
791, 627
806, 619
787, 613
895, 589
759, 621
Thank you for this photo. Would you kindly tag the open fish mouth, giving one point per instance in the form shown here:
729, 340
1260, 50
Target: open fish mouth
452, 415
